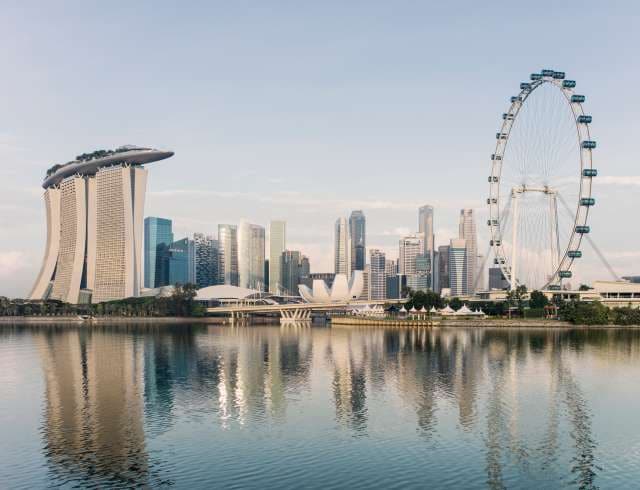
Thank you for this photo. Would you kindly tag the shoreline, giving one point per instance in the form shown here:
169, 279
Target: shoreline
436, 323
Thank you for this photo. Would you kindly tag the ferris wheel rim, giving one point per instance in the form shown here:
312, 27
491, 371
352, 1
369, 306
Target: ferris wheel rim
581, 212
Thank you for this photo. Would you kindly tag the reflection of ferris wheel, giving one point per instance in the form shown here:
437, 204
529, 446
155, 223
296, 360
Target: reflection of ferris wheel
542, 160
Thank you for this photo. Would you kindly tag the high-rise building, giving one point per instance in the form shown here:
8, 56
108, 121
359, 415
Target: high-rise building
420, 280
497, 279
277, 245
425, 227
458, 263
357, 234
481, 279
179, 267
390, 267
305, 272
342, 249
290, 271
158, 236
228, 255
467, 231
95, 207
409, 248
396, 285
377, 274
443, 267
206, 260
251, 256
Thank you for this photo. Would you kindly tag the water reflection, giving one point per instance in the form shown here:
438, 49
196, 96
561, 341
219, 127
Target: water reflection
510, 398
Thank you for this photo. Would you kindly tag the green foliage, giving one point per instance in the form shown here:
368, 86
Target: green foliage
580, 313
455, 303
626, 316
515, 298
537, 300
534, 313
428, 299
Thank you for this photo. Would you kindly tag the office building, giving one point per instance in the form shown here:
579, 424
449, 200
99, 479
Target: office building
481, 279
277, 245
409, 248
158, 236
467, 231
180, 252
357, 234
251, 256
425, 228
396, 285
443, 268
390, 267
497, 279
228, 255
305, 271
342, 248
94, 208
206, 260
377, 275
458, 263
290, 272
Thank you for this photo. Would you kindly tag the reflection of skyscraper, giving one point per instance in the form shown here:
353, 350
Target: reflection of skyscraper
467, 231
277, 245
342, 248
228, 254
357, 234
95, 207
94, 411
251, 256
157, 238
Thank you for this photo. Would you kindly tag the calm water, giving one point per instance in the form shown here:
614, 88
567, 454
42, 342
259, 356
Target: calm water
267, 407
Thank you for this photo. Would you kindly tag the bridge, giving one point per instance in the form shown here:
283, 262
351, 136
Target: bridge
290, 311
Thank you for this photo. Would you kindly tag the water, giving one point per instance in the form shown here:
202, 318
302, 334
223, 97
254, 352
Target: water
291, 407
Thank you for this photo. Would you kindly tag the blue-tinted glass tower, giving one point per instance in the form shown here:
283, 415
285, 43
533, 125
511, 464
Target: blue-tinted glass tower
158, 237
179, 254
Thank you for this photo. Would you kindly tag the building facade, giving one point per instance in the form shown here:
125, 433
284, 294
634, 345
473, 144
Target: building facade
342, 248
497, 279
443, 267
180, 253
94, 208
467, 231
377, 274
277, 245
458, 262
358, 237
251, 256
158, 236
409, 248
228, 255
425, 228
206, 260
290, 271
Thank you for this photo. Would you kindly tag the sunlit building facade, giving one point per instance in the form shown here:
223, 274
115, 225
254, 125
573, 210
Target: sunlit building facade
251, 256
95, 207
458, 262
228, 255
158, 236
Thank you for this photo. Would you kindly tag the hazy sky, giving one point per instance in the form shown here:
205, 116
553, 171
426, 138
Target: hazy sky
306, 110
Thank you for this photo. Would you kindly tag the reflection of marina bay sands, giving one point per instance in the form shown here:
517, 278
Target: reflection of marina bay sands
109, 396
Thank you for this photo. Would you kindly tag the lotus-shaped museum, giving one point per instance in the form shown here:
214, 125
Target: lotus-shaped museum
341, 291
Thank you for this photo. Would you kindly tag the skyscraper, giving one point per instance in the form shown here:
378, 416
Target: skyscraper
179, 253
443, 267
228, 254
251, 256
497, 279
342, 248
409, 248
290, 271
158, 236
95, 207
357, 234
277, 245
425, 226
206, 260
377, 275
458, 267
305, 272
467, 231
390, 267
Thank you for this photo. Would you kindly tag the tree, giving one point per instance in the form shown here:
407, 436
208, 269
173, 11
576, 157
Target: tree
537, 299
515, 297
581, 313
426, 299
455, 303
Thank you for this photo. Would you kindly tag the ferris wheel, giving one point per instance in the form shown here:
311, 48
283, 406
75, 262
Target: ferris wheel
540, 183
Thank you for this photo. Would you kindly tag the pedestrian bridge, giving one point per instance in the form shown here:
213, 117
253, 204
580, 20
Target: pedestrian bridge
293, 311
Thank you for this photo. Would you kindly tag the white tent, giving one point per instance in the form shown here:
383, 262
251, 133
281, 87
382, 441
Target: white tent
423, 310
403, 309
464, 310
433, 310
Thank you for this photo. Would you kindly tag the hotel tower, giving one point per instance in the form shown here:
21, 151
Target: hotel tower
95, 207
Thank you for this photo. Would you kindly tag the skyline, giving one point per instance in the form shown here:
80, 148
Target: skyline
304, 132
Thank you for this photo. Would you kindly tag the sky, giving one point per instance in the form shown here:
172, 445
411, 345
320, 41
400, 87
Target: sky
307, 110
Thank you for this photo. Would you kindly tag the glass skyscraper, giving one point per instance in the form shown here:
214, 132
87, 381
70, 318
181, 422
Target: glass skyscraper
158, 237
228, 254
342, 248
458, 267
206, 260
277, 245
377, 275
357, 234
179, 261
251, 256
